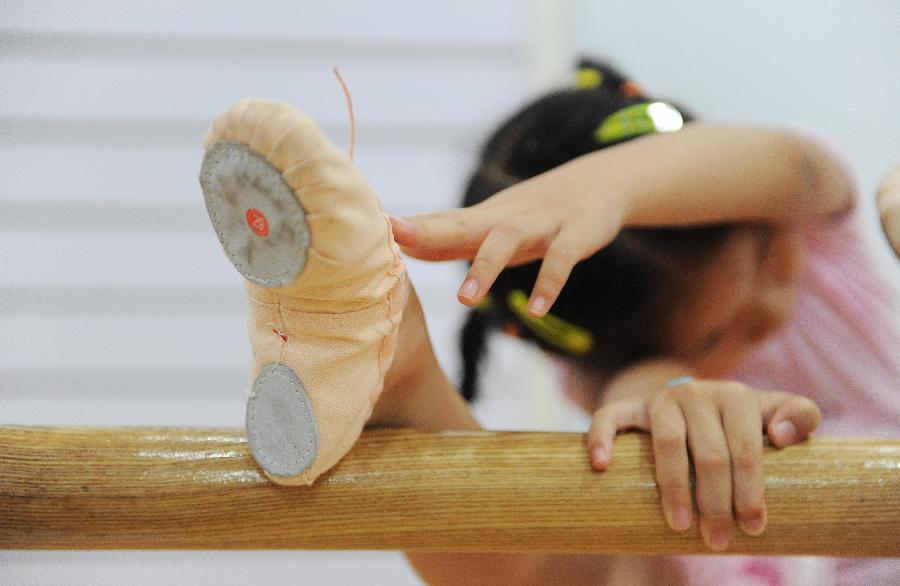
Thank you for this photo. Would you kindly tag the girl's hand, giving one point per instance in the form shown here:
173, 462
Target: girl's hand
552, 216
889, 207
719, 423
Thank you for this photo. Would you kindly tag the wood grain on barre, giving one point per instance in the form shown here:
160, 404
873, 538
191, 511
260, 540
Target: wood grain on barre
167, 488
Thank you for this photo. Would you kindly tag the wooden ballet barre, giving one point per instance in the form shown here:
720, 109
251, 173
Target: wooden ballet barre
168, 488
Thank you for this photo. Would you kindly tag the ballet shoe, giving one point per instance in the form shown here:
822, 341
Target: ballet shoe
324, 279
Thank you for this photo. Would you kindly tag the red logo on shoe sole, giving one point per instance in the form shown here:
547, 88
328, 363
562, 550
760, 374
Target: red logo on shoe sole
257, 222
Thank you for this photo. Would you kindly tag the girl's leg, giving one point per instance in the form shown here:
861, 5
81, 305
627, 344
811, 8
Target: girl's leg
417, 394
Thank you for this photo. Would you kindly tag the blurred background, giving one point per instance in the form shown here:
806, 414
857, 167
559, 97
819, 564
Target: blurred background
117, 306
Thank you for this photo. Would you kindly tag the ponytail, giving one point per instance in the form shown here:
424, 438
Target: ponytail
472, 346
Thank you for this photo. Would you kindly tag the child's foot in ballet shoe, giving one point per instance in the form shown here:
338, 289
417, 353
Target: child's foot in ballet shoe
326, 284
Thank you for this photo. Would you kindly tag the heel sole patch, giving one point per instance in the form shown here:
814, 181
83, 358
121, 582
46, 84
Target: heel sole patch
281, 428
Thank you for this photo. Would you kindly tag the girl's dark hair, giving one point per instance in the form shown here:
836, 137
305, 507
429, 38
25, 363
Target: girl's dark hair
624, 294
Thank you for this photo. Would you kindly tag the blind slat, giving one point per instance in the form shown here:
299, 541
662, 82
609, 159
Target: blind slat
462, 20
383, 93
407, 179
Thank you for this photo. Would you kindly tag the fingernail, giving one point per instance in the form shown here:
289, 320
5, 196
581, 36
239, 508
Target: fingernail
719, 540
785, 431
469, 288
402, 224
538, 305
599, 456
682, 518
754, 526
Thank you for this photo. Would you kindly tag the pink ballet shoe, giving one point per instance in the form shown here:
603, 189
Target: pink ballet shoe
326, 283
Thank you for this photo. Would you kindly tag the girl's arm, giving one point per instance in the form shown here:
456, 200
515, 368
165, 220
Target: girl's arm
704, 173
889, 207
708, 174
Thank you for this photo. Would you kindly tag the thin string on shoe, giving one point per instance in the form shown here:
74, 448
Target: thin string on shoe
349, 108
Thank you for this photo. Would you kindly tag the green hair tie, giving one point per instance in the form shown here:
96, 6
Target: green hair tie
639, 119
485, 304
588, 78
553, 330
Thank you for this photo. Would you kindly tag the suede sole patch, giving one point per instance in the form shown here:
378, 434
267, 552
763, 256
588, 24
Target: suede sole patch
255, 213
280, 425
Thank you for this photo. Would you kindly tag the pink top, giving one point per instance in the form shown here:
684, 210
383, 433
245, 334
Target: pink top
840, 348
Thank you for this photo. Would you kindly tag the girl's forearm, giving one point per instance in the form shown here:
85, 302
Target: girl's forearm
707, 173
642, 380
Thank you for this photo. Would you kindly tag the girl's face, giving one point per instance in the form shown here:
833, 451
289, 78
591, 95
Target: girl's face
733, 302
737, 299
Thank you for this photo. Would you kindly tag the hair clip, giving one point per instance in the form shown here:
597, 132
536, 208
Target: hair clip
631, 89
511, 328
553, 330
639, 119
587, 78
485, 304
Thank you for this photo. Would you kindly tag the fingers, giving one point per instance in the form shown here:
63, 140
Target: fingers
496, 236
508, 242
712, 461
492, 245
607, 422
719, 424
787, 418
503, 242
562, 254
448, 235
672, 466
742, 421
